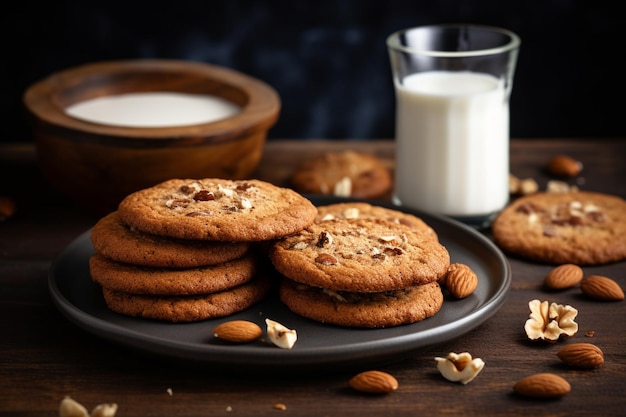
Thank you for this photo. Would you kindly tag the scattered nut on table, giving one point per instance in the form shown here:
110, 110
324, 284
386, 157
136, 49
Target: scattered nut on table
542, 385
581, 355
563, 276
459, 367
524, 186
565, 166
374, 382
280, 335
72, 408
7, 207
601, 288
549, 321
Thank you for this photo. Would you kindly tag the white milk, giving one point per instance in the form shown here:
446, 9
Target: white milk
158, 109
452, 138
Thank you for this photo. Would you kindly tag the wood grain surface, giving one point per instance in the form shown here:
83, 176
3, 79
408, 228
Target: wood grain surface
44, 358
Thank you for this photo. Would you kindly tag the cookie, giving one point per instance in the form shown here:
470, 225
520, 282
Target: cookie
217, 209
354, 210
118, 242
346, 174
190, 308
145, 280
367, 310
583, 228
360, 255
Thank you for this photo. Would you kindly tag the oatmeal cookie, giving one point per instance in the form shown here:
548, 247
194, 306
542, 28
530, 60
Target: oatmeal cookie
217, 209
583, 228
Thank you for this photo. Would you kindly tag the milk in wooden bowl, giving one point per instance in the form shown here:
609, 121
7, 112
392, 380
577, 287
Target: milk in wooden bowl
106, 129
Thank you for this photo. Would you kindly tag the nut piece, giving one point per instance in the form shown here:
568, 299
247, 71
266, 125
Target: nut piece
72, 408
524, 186
565, 166
374, 382
582, 355
460, 280
238, 331
459, 367
544, 385
104, 410
601, 288
7, 207
343, 187
563, 276
548, 321
280, 335
514, 184
560, 187
326, 259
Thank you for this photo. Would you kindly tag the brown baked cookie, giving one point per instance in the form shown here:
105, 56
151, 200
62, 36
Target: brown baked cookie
145, 280
583, 228
188, 308
360, 255
368, 310
217, 209
362, 210
346, 174
118, 242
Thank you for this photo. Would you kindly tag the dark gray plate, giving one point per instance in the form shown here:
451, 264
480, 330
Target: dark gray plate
319, 346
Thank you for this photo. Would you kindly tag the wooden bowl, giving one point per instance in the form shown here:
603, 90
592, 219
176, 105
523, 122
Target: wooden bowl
97, 165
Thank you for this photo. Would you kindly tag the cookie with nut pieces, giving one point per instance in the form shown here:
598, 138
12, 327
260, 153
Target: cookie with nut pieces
360, 255
345, 174
172, 281
217, 209
364, 210
190, 308
119, 242
365, 310
583, 228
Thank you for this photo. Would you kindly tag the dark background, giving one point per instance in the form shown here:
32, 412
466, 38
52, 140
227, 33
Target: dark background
328, 59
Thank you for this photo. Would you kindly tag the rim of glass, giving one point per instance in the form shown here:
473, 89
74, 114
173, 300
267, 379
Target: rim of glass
514, 42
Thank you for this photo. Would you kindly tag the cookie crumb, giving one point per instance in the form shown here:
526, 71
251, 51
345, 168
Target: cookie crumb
280, 406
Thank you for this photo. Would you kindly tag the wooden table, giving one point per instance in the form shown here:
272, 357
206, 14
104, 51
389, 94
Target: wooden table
44, 358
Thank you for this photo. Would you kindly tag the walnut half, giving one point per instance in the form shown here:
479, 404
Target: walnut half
548, 321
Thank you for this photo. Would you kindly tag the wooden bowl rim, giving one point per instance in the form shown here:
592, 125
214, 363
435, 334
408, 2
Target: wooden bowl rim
259, 113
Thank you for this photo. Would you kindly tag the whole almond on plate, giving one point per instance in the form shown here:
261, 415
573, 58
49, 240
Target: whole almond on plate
581, 355
460, 280
544, 385
564, 276
238, 331
601, 288
374, 382
565, 166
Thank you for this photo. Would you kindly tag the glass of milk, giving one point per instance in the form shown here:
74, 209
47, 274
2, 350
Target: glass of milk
452, 85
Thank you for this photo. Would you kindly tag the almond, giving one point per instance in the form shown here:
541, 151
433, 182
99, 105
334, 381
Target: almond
238, 331
564, 276
460, 280
601, 288
565, 166
326, 259
544, 385
7, 207
582, 355
374, 382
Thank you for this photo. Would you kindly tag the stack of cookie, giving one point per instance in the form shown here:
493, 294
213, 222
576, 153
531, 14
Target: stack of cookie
362, 266
182, 250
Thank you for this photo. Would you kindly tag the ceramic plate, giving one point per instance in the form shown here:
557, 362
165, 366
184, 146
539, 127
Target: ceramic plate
319, 346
